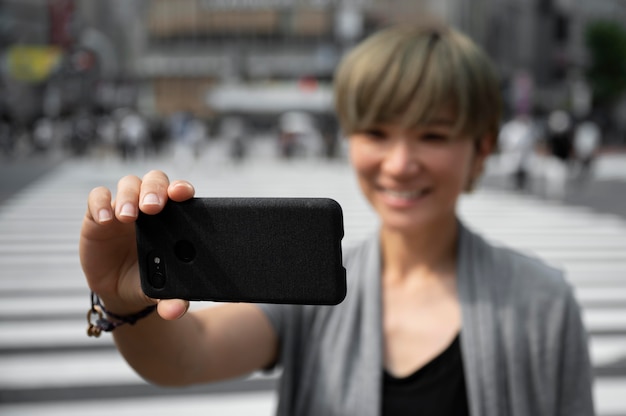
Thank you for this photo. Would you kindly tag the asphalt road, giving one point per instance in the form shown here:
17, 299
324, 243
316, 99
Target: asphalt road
601, 195
607, 196
15, 174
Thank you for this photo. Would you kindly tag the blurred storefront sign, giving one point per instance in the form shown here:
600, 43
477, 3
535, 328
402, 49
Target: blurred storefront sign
168, 18
292, 63
522, 92
252, 17
31, 63
61, 13
270, 99
182, 65
240, 4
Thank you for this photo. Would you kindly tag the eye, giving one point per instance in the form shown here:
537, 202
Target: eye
435, 136
375, 133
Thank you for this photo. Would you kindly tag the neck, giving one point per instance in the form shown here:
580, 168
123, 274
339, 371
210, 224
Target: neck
422, 253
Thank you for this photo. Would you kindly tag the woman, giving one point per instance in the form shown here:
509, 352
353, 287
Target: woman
436, 320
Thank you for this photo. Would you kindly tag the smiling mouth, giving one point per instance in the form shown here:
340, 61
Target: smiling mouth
405, 195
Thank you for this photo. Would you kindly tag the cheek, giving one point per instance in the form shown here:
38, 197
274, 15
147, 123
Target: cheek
454, 165
364, 158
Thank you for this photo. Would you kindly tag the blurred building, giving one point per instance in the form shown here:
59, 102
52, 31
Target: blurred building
256, 57
263, 57
540, 48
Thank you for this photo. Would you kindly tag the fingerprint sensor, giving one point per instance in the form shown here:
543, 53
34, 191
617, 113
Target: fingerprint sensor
185, 251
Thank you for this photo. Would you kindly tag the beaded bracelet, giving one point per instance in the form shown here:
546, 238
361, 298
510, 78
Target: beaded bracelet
98, 322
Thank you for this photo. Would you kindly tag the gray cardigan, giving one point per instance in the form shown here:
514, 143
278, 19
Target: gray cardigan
523, 343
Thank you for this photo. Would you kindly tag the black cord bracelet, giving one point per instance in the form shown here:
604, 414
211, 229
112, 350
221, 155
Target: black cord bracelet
98, 322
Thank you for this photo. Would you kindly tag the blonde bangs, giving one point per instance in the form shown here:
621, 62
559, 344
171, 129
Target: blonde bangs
435, 92
366, 81
410, 76
378, 82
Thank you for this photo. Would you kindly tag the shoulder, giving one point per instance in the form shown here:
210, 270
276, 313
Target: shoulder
530, 270
521, 289
518, 274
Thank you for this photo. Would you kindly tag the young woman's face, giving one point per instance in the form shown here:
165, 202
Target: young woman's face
413, 178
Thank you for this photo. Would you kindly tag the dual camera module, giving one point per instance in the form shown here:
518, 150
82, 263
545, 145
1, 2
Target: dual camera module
184, 251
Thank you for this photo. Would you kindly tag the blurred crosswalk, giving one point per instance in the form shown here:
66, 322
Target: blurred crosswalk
48, 365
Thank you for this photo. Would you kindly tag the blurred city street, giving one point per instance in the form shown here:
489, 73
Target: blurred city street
237, 97
50, 366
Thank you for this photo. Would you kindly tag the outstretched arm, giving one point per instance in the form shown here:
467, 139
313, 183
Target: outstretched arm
171, 347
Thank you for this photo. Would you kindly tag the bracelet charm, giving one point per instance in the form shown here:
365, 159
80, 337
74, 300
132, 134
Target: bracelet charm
93, 330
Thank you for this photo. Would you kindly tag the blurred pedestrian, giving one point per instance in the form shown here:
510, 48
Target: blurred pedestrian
437, 320
330, 136
238, 149
234, 133
299, 135
43, 135
159, 135
516, 144
133, 134
107, 133
195, 136
291, 127
83, 132
556, 166
178, 123
587, 138
7, 136
560, 135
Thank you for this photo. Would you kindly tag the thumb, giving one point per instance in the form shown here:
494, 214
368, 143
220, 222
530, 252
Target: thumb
171, 309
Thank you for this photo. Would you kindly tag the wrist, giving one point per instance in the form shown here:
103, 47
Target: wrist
119, 306
101, 319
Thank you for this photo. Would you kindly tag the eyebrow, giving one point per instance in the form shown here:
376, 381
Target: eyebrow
444, 122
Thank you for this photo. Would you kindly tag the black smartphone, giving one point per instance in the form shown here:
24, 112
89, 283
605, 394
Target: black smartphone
261, 250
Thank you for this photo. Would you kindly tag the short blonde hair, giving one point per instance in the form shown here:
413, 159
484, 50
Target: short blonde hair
408, 74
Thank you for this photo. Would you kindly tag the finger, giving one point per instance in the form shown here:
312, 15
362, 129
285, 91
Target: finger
181, 191
99, 205
171, 309
127, 199
153, 194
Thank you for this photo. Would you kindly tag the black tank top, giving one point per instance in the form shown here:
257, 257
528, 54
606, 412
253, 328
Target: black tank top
437, 388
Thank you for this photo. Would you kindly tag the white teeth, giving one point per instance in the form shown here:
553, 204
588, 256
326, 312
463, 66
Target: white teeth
404, 194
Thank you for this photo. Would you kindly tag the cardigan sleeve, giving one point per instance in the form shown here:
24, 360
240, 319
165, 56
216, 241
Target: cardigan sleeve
525, 343
575, 391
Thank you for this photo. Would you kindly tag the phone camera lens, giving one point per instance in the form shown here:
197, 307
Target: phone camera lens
156, 275
157, 280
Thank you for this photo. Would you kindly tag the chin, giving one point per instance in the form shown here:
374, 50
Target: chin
405, 225
416, 221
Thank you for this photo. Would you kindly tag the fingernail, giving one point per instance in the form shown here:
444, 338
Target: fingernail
104, 215
182, 185
128, 210
151, 199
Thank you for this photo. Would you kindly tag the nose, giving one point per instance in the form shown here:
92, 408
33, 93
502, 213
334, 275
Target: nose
400, 158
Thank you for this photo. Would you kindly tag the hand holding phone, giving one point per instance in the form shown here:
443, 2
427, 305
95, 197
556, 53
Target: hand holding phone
269, 250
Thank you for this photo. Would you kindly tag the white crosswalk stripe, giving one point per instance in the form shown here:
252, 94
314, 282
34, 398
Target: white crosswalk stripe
50, 367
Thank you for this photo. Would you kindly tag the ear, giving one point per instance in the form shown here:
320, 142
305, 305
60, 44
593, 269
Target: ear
483, 148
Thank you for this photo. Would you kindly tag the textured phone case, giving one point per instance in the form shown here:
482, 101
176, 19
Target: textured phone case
270, 250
